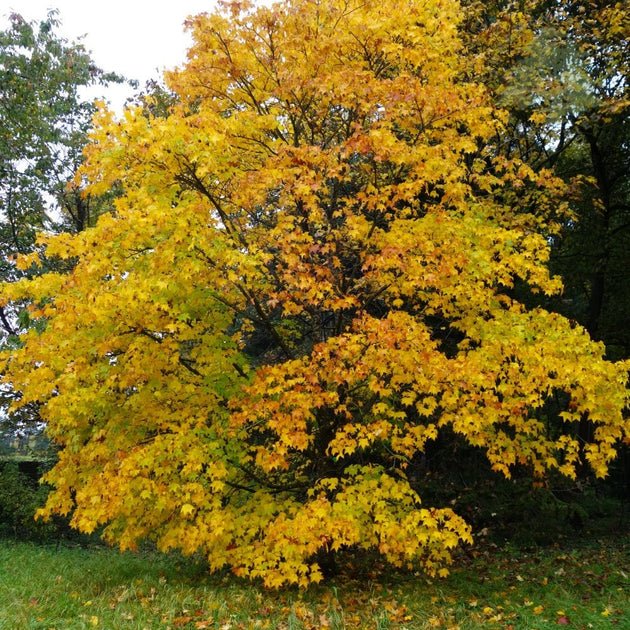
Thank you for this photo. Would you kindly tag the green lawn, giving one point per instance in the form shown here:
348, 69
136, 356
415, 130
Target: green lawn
580, 586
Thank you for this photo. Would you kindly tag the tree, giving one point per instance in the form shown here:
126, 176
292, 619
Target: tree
307, 278
44, 120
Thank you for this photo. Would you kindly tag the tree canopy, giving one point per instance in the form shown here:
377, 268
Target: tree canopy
308, 277
44, 122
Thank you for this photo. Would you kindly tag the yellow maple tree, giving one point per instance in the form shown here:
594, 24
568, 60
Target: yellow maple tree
307, 277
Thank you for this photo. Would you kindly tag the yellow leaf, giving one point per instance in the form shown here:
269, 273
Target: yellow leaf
187, 509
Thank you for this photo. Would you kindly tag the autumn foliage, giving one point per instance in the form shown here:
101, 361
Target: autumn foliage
309, 275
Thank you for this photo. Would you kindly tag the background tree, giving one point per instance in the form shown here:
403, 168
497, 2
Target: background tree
560, 67
308, 277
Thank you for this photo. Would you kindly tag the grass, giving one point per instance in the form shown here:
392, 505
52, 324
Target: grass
578, 586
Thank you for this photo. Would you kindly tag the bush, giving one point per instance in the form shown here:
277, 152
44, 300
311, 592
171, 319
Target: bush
20, 497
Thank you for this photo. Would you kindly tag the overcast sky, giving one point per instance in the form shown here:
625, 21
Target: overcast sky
136, 38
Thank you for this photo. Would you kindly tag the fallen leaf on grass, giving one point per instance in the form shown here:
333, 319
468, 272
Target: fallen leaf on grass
563, 621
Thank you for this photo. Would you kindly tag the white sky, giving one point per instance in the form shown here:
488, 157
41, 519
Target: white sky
136, 38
